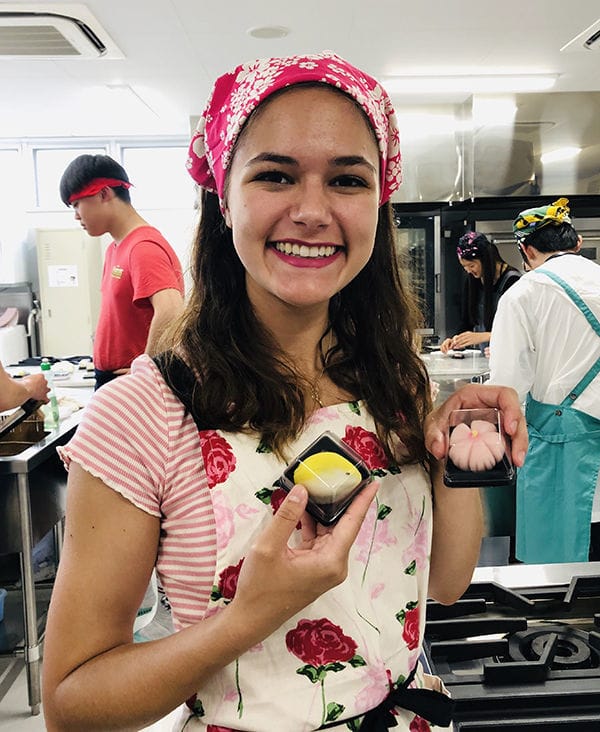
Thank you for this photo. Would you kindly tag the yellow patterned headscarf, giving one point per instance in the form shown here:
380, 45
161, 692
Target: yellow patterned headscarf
534, 218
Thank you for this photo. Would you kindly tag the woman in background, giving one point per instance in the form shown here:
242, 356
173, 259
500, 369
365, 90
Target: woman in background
489, 277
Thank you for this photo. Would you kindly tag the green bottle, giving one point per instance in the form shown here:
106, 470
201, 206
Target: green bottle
51, 414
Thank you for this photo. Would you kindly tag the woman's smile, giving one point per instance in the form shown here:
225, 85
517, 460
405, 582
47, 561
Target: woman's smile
299, 254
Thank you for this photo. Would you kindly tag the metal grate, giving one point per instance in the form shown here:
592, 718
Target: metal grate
30, 40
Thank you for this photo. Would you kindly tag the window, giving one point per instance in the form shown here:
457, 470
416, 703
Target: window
50, 164
11, 180
159, 177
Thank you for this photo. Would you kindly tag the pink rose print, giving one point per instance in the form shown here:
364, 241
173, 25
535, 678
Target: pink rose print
416, 553
224, 519
411, 628
367, 445
219, 459
228, 580
323, 647
216, 728
419, 724
376, 688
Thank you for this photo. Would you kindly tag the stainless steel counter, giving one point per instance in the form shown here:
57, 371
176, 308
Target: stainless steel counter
32, 502
442, 366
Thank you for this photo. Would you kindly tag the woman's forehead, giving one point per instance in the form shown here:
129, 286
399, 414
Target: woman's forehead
309, 110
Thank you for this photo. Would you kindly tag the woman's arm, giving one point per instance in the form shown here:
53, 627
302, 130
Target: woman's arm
95, 677
13, 393
470, 338
457, 513
457, 532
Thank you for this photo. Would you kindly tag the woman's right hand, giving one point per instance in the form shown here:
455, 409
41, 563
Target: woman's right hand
37, 387
446, 345
276, 581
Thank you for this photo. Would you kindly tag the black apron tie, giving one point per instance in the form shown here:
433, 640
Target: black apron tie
433, 706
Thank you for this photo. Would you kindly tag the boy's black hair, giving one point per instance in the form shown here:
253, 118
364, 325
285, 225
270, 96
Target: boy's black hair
86, 168
552, 238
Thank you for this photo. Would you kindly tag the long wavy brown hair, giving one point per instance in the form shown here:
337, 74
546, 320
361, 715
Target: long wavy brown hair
245, 381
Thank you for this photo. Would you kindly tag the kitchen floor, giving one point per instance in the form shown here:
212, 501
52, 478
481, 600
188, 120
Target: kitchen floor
14, 710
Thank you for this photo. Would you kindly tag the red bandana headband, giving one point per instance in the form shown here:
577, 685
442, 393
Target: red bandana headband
236, 94
96, 185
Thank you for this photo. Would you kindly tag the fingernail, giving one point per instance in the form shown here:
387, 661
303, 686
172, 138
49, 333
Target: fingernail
294, 494
521, 457
512, 427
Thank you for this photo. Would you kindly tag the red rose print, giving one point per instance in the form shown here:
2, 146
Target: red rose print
277, 498
411, 628
216, 728
318, 642
419, 725
219, 459
367, 445
228, 580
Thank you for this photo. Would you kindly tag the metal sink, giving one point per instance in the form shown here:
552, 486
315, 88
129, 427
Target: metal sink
24, 435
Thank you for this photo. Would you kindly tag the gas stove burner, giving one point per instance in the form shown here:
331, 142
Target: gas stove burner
573, 649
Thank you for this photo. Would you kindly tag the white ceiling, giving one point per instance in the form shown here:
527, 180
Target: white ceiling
173, 49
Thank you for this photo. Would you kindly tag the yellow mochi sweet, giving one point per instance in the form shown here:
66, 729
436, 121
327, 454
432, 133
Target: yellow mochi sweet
327, 476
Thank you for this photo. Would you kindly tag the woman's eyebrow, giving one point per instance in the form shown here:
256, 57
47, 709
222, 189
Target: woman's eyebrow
349, 160
342, 161
268, 157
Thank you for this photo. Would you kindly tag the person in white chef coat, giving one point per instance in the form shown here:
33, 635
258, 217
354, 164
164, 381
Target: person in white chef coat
546, 344
299, 323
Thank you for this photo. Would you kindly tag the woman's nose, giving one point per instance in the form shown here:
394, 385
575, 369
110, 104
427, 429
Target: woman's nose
311, 206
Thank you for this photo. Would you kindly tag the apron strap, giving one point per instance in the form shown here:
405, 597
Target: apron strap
594, 323
433, 706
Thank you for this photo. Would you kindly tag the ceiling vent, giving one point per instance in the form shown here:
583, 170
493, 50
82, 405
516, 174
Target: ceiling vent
53, 31
587, 40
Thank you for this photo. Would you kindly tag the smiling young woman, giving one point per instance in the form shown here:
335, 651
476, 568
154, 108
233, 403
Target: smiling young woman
299, 323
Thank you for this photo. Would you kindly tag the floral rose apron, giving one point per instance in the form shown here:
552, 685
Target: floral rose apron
556, 485
340, 656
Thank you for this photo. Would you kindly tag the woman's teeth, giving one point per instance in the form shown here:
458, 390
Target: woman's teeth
301, 250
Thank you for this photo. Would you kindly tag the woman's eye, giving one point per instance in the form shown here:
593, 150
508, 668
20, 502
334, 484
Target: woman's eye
273, 176
349, 181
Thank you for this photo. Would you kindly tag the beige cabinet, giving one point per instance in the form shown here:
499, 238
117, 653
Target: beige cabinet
70, 269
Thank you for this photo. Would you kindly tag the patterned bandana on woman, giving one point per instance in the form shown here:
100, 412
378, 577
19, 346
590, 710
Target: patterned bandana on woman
467, 246
236, 94
534, 218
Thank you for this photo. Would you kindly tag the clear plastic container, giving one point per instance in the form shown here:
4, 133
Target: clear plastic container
332, 473
479, 450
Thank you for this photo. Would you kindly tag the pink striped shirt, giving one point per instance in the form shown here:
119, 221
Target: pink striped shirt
135, 437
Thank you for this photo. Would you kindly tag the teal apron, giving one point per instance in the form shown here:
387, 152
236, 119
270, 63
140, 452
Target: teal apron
556, 485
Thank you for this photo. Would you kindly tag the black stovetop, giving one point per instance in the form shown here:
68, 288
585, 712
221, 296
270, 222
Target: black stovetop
520, 659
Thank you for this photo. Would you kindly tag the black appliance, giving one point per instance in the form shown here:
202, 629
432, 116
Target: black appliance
523, 658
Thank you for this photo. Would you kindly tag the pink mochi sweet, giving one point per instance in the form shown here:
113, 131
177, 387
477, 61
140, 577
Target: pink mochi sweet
476, 448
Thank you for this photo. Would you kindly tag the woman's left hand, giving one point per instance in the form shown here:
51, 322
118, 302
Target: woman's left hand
479, 396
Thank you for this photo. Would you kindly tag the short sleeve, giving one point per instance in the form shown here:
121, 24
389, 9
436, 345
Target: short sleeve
152, 269
123, 437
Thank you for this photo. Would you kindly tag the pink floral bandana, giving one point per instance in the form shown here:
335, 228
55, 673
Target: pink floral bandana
236, 94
